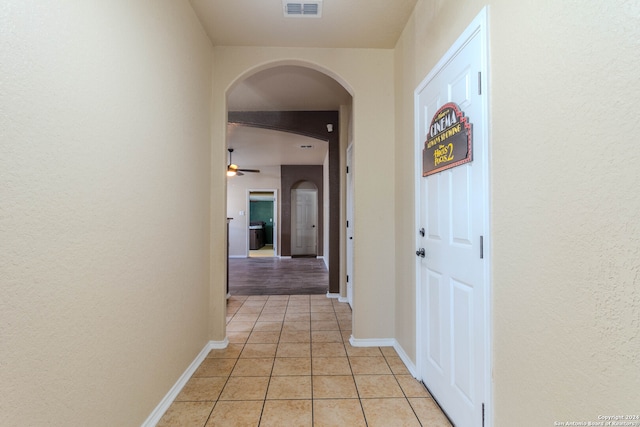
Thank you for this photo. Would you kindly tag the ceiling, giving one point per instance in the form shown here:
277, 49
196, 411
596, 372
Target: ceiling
373, 24
344, 24
288, 88
283, 88
256, 148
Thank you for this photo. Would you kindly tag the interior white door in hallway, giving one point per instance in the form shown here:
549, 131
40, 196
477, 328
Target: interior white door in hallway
453, 229
350, 228
304, 218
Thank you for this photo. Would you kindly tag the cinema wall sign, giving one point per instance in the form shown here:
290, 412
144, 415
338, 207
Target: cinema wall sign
448, 141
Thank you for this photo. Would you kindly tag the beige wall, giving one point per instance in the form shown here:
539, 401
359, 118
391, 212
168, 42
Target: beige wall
368, 75
104, 207
106, 204
565, 225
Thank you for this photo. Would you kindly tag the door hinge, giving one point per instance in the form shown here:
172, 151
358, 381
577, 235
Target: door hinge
481, 247
347, 223
479, 83
483, 415
347, 169
347, 278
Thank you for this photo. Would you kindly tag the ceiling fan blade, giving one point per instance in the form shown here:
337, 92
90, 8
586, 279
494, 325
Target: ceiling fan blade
233, 169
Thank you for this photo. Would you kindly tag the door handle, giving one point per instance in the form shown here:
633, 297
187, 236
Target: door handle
421, 253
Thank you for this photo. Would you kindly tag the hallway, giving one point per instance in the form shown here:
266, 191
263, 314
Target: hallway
289, 363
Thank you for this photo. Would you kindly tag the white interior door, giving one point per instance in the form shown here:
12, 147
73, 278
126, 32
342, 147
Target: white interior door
350, 225
304, 215
453, 281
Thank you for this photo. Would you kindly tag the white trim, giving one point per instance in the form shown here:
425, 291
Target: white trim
372, 342
413, 370
168, 399
330, 295
343, 299
285, 257
323, 258
238, 256
349, 230
276, 226
479, 25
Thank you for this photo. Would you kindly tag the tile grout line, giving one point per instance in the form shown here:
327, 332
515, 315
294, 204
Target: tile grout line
228, 376
264, 402
353, 376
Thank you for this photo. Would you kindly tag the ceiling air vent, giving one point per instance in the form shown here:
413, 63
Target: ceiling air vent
302, 9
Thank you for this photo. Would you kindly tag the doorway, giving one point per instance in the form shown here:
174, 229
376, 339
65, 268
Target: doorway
304, 220
290, 105
350, 224
452, 202
263, 214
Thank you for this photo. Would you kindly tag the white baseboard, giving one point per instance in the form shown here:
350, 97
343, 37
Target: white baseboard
406, 360
326, 261
343, 299
285, 257
168, 399
387, 342
330, 295
238, 256
372, 342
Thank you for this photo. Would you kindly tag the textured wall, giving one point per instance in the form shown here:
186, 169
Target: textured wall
564, 168
104, 207
566, 224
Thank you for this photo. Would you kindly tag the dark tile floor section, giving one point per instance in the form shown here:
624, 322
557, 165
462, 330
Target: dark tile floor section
289, 363
277, 276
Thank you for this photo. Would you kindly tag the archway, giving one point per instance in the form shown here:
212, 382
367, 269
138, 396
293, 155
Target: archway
320, 121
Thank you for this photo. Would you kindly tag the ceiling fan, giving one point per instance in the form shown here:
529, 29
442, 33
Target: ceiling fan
233, 170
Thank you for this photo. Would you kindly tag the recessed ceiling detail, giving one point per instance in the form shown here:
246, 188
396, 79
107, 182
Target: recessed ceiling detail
302, 9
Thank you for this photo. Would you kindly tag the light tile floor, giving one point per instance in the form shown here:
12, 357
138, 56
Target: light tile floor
289, 363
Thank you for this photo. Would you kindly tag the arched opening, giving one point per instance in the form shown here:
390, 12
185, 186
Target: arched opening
290, 122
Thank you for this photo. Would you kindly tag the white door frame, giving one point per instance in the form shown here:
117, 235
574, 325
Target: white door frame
276, 227
294, 217
478, 25
350, 227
